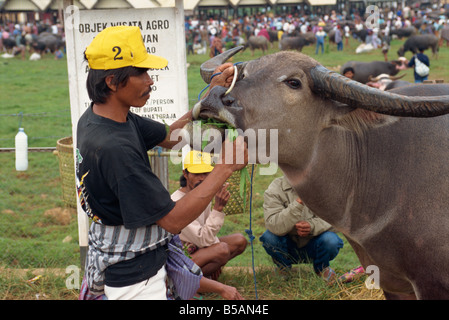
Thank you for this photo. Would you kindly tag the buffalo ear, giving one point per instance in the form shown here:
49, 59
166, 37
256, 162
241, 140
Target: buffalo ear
359, 120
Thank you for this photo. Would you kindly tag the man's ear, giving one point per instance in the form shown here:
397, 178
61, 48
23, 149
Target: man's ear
109, 82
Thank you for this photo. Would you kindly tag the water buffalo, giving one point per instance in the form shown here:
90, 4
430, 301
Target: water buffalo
47, 42
8, 43
363, 70
294, 43
372, 163
360, 34
420, 42
257, 42
404, 32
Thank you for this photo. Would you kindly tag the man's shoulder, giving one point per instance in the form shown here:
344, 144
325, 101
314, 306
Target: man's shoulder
279, 185
275, 183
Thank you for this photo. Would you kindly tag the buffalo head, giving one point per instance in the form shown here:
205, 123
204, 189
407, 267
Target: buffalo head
295, 89
291, 75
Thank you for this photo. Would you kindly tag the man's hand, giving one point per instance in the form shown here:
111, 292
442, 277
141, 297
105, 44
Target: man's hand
221, 198
230, 293
234, 155
225, 78
303, 228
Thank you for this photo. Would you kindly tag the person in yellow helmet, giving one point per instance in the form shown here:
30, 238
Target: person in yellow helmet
206, 249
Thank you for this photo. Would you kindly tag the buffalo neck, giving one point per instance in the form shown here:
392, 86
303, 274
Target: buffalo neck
349, 178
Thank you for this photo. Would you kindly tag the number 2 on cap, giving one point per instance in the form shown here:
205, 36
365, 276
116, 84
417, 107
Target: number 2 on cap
119, 50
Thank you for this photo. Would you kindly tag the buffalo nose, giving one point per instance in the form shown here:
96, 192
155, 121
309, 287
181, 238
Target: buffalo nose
214, 99
228, 100
219, 96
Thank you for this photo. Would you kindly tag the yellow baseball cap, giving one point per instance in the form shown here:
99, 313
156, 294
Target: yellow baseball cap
121, 46
198, 162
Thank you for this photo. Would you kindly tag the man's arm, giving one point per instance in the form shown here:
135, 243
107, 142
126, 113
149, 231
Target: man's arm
179, 124
194, 202
279, 219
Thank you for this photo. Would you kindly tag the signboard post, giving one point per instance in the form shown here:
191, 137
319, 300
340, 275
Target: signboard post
163, 35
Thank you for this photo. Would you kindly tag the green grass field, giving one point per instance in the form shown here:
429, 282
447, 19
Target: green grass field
31, 237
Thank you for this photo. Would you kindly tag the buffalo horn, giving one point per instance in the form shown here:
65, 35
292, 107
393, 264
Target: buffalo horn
384, 76
394, 78
334, 86
207, 68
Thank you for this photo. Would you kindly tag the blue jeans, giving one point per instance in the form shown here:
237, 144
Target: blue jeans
340, 46
319, 250
419, 79
318, 45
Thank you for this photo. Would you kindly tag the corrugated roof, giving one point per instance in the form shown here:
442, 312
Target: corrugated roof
41, 5
322, 2
22, 5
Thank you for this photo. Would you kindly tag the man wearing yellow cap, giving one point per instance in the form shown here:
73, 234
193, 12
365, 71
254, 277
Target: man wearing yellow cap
208, 251
133, 215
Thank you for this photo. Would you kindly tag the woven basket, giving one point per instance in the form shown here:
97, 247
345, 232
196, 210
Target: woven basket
64, 151
235, 203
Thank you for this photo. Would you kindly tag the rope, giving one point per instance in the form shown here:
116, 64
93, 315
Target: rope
158, 149
201, 92
250, 232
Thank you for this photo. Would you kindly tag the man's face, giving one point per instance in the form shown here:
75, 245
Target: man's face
137, 90
194, 179
349, 74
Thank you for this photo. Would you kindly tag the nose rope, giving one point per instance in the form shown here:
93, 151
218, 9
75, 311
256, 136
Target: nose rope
250, 232
201, 92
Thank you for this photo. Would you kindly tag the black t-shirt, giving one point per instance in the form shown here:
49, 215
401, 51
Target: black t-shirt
114, 170
117, 187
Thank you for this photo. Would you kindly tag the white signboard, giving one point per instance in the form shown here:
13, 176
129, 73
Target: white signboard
163, 35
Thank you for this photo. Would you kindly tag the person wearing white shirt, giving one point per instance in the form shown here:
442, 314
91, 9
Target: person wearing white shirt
200, 239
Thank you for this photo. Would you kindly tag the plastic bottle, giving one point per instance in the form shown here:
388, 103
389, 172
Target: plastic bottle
21, 150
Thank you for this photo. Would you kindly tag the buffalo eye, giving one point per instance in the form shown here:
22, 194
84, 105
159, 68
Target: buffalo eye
293, 83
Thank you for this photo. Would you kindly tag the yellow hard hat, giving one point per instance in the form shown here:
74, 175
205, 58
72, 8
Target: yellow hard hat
119, 47
198, 162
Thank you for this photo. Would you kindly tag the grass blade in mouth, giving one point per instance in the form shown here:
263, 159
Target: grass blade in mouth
232, 135
210, 122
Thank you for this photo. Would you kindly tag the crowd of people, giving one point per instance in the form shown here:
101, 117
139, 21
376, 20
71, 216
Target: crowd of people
336, 26
216, 35
19, 38
208, 35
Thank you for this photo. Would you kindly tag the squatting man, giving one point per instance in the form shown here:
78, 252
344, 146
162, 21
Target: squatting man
295, 234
